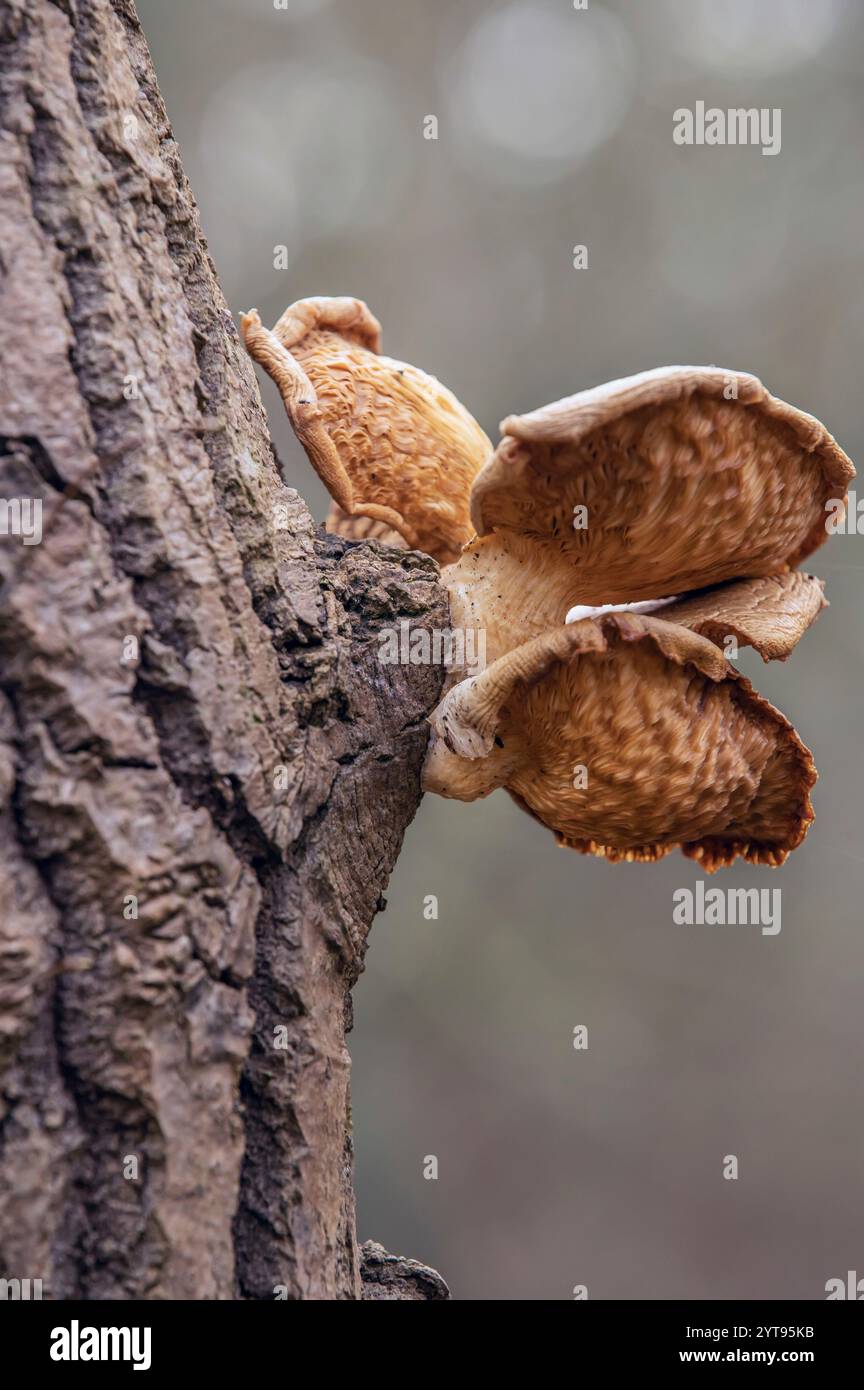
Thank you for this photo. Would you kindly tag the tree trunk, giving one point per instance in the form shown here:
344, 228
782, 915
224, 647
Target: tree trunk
205, 771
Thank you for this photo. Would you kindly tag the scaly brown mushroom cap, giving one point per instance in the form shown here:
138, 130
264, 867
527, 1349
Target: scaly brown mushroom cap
628, 736
689, 476
682, 487
388, 440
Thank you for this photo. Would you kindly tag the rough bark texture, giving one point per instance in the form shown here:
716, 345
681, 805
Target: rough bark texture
392, 1279
205, 771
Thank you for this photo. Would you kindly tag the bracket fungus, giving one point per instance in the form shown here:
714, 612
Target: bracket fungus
607, 550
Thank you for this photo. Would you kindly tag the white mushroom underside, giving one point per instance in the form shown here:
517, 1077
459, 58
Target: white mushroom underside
648, 605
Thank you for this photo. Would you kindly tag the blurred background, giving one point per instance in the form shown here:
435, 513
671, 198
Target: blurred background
303, 128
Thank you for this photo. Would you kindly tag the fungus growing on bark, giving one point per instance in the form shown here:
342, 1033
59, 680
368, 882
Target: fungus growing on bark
388, 441
689, 492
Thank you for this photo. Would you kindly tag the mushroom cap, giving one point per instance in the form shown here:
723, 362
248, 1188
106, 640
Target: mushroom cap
350, 318
769, 614
405, 441
690, 476
678, 748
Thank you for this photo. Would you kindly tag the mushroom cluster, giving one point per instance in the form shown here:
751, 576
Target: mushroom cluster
613, 550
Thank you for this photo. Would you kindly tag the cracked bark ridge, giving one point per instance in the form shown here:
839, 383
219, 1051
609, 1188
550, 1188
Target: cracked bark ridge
205, 771
393, 1279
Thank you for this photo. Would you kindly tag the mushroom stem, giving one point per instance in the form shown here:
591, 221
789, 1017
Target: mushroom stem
301, 404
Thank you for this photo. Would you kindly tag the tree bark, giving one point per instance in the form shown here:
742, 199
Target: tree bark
205, 771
